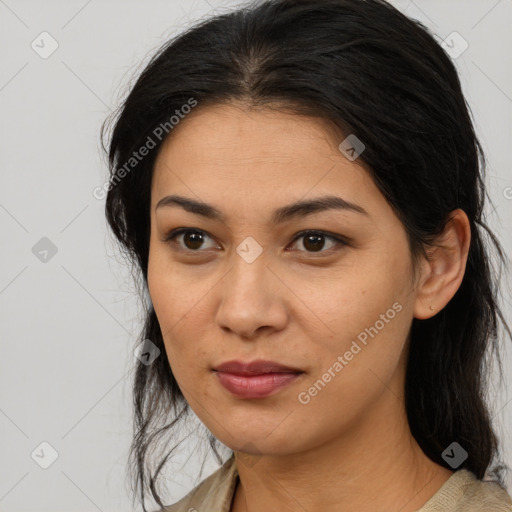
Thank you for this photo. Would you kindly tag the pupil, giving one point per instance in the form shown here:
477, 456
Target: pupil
194, 239
316, 240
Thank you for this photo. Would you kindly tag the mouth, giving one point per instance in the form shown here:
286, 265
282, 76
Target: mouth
256, 379
256, 367
256, 386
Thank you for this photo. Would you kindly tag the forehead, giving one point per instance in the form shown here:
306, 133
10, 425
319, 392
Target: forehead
230, 132
225, 152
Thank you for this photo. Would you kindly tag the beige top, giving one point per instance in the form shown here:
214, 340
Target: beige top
462, 492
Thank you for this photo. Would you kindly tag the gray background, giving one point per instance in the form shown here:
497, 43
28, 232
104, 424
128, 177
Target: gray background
69, 321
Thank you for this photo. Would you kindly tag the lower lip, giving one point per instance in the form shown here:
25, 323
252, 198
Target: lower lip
258, 386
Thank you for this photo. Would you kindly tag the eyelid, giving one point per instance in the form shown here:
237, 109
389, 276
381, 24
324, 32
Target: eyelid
340, 240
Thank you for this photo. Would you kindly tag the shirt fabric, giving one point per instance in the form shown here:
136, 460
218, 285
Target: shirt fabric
462, 492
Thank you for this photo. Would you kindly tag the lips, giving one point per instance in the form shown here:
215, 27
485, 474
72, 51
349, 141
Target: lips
257, 367
256, 379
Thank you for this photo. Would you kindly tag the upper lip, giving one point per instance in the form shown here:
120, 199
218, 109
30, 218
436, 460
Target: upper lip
257, 367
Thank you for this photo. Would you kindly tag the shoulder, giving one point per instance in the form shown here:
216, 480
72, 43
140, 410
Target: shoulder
213, 493
463, 492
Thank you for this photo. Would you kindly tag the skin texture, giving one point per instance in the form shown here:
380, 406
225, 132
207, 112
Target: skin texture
350, 447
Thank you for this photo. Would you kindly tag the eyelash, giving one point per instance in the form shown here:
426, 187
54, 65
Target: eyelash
176, 232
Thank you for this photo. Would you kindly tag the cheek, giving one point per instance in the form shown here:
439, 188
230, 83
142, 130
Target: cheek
353, 299
169, 291
165, 294
358, 363
179, 298
366, 314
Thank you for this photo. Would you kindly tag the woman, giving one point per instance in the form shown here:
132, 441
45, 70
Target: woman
300, 186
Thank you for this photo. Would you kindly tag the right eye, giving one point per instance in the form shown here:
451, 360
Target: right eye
191, 240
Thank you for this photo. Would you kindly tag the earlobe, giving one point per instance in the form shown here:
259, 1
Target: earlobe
445, 267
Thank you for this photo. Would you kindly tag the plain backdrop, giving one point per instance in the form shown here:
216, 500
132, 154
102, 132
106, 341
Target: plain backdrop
69, 316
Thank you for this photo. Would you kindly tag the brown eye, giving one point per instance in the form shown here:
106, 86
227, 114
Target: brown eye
192, 239
315, 241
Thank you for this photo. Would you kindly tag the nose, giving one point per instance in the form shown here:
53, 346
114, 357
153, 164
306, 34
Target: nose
252, 300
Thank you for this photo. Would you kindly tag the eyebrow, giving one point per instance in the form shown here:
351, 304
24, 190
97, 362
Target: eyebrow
298, 209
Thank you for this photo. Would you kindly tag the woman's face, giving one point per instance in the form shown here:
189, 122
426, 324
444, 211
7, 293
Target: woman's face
250, 286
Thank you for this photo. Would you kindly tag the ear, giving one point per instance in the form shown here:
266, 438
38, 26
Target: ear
443, 270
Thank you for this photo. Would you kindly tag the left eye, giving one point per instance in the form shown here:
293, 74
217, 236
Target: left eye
313, 241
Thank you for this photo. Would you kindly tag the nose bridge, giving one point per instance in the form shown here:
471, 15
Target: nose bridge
248, 279
249, 298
